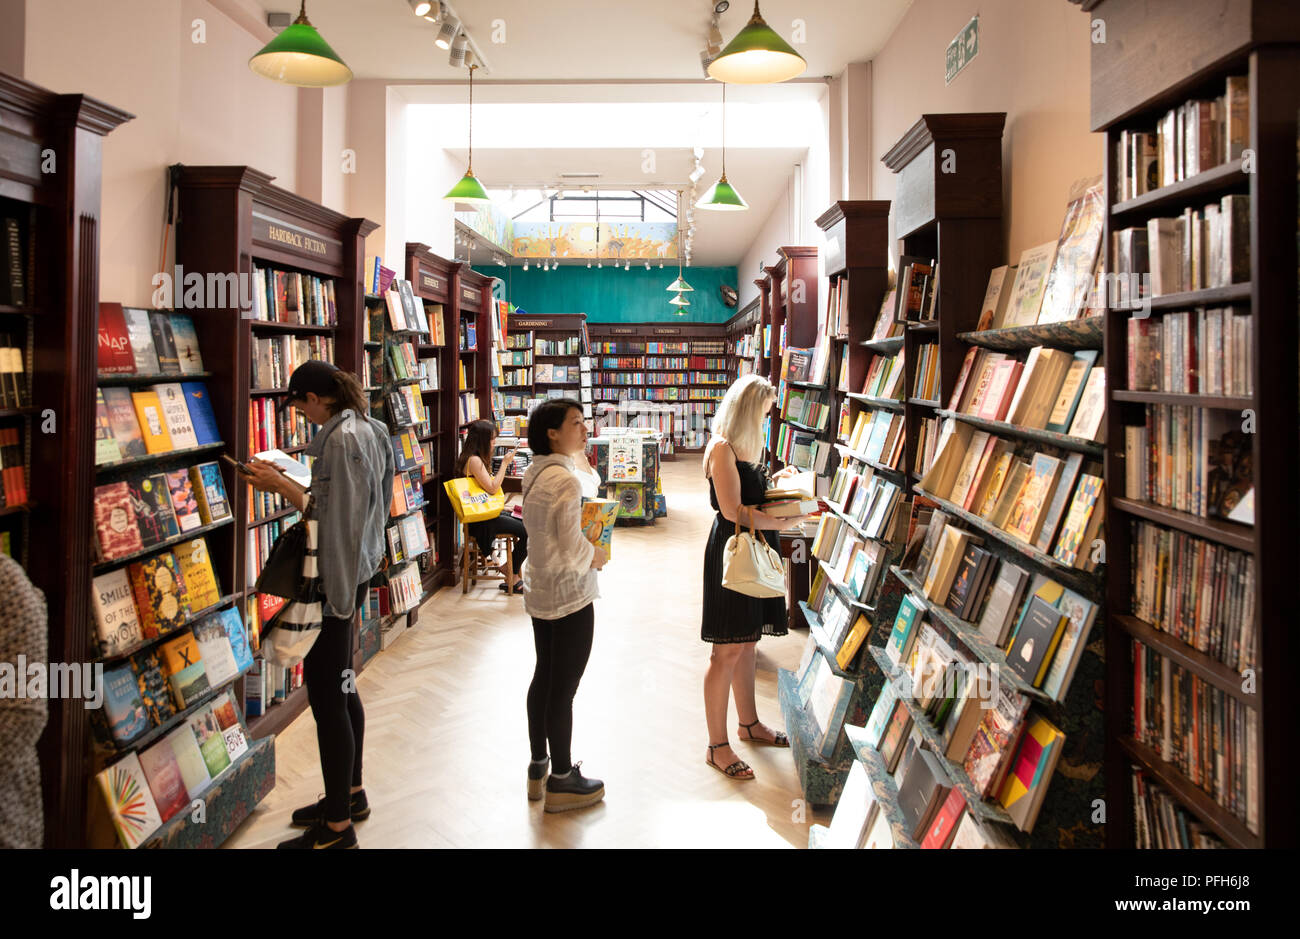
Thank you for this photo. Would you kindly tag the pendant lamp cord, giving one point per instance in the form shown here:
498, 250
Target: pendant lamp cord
724, 127
471, 119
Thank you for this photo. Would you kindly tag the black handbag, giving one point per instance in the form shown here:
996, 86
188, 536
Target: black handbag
282, 573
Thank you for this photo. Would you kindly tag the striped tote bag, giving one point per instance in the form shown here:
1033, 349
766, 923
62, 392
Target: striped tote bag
290, 634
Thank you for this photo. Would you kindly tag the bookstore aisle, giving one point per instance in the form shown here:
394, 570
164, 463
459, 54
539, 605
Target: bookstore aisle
445, 705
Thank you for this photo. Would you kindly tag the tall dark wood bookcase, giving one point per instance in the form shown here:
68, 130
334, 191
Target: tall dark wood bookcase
52, 148
1170, 56
737, 329
230, 220
793, 305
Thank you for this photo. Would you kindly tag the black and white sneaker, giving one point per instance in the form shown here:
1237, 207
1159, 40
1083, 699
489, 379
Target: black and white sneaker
309, 815
572, 791
537, 772
321, 837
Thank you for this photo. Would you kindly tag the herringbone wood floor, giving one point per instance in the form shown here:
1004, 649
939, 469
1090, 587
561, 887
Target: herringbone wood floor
446, 741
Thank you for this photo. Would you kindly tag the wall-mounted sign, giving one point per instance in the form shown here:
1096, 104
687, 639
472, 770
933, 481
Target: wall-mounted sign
962, 49
277, 233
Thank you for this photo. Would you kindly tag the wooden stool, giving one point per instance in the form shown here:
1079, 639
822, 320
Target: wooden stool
475, 566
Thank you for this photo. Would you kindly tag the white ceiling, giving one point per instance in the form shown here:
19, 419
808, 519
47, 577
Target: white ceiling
582, 40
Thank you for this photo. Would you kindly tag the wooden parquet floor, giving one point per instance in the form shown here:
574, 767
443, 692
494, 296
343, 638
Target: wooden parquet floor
446, 743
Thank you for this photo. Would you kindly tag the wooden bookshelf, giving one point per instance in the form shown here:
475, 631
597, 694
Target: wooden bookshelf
265, 228
1180, 63
55, 327
793, 307
740, 332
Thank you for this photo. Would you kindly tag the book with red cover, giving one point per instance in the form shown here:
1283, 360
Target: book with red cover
115, 356
115, 521
164, 776
944, 824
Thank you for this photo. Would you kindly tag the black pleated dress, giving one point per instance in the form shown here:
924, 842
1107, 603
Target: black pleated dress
729, 616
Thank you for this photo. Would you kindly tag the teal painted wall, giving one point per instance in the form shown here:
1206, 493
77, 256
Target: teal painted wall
609, 295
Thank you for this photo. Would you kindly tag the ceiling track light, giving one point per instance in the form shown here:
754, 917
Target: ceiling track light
447, 32
420, 7
300, 56
456, 57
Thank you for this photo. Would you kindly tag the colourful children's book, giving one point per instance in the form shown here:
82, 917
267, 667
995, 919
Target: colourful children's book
598, 517
126, 790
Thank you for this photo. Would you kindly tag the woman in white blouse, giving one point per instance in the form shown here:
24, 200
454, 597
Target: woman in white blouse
559, 590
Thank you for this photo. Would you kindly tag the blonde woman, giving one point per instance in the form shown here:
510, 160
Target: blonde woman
732, 621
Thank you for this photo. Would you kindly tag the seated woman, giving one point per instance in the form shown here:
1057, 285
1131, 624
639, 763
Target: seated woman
475, 461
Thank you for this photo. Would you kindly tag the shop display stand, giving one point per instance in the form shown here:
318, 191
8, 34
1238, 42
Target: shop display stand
1179, 64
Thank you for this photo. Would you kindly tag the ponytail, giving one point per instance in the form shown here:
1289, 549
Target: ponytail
348, 393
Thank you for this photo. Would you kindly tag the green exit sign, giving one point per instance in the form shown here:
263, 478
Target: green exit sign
962, 49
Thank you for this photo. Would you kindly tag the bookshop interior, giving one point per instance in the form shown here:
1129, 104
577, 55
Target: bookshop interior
1020, 491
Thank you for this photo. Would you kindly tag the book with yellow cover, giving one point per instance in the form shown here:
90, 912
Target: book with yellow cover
201, 590
598, 518
153, 427
853, 641
185, 670
1031, 771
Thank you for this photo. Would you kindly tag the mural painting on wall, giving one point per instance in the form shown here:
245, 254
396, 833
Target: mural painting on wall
491, 223
623, 240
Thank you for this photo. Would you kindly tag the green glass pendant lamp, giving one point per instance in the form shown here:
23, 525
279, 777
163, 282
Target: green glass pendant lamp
299, 56
757, 56
469, 189
679, 284
722, 196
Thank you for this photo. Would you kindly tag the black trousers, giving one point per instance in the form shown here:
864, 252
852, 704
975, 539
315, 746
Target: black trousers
503, 524
563, 647
336, 706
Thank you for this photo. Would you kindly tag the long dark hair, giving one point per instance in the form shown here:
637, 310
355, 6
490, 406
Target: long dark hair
549, 415
478, 442
348, 393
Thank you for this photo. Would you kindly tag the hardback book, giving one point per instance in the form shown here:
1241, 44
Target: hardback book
881, 713
1027, 513
115, 356
194, 771
1001, 389
1035, 640
938, 580
1067, 401
130, 803
237, 636
967, 586
184, 502
1070, 278
116, 624
209, 492
122, 420
829, 701
991, 479
159, 592
106, 448
1031, 771
187, 344
1079, 615
996, 297
990, 750
1055, 510
1027, 290
154, 515
153, 426
933, 534
155, 692
398, 506
212, 743
852, 642
955, 441
200, 411
970, 835
597, 521
1004, 601
115, 525
1091, 408
165, 781
184, 668
895, 737
1082, 521
854, 811
164, 342
878, 835
966, 712
923, 791
972, 398
1040, 384
970, 464
140, 334
1016, 478
943, 827
223, 708
124, 712
906, 623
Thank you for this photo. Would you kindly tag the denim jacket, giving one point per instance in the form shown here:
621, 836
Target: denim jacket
352, 485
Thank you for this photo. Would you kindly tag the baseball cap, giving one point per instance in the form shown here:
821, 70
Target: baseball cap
312, 377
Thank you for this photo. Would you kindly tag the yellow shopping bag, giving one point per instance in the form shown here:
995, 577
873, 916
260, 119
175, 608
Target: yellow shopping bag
471, 503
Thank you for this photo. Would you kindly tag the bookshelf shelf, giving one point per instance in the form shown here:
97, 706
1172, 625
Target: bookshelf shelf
1232, 534
1002, 428
1085, 333
1224, 824
1186, 300
821, 780
275, 517
190, 620
923, 327
1223, 402
104, 380
810, 429
17, 412
883, 786
1180, 653
843, 589
818, 632
807, 384
148, 458
839, 510
269, 326
268, 391
184, 536
225, 812
884, 404
885, 347
16, 509
923, 403
969, 636
1086, 583
975, 804
1218, 180
156, 733
895, 474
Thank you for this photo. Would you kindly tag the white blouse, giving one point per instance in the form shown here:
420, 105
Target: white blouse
558, 576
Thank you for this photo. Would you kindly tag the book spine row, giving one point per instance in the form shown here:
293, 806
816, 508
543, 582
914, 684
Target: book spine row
272, 427
292, 297
275, 358
13, 470
1161, 823
1209, 735
557, 346
1188, 458
15, 377
1204, 351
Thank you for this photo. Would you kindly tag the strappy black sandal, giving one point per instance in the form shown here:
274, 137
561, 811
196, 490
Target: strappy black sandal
781, 739
735, 770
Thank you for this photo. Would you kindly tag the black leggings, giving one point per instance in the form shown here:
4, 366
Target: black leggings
340, 720
503, 524
563, 647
